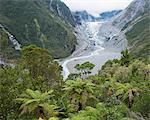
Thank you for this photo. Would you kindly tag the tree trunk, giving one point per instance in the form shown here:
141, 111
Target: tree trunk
40, 114
80, 106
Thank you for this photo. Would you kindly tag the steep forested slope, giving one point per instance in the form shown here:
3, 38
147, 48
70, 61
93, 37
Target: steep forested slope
33, 22
5, 46
61, 10
139, 38
137, 27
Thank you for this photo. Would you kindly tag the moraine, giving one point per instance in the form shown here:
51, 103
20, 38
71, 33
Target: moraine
94, 52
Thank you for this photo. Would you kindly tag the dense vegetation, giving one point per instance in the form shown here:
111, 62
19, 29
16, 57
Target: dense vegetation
7, 49
35, 22
34, 89
139, 37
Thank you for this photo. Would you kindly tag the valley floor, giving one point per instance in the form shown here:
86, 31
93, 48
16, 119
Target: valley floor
98, 59
90, 48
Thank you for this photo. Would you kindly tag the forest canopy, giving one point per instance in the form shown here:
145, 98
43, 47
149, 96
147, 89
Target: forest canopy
34, 89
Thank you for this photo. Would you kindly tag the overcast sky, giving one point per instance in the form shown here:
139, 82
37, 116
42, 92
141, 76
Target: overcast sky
96, 6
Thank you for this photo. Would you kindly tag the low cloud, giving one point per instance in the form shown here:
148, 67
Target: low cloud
96, 6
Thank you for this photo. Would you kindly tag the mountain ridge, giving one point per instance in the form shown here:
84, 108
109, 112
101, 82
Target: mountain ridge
122, 30
84, 16
32, 22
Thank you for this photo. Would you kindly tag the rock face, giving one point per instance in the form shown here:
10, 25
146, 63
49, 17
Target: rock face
45, 23
124, 29
83, 16
108, 15
133, 11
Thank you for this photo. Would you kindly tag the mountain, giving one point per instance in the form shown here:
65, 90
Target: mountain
130, 29
45, 23
108, 14
83, 16
60, 9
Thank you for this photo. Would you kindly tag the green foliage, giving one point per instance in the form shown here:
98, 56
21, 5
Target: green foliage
33, 22
85, 69
109, 63
65, 15
139, 38
3, 40
101, 112
13, 82
41, 65
124, 61
90, 113
141, 103
7, 50
73, 76
38, 103
127, 84
125, 58
78, 92
53, 118
120, 91
86, 65
37, 70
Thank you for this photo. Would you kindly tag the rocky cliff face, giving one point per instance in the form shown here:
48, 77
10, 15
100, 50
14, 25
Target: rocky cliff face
108, 14
132, 12
83, 16
45, 23
60, 9
125, 27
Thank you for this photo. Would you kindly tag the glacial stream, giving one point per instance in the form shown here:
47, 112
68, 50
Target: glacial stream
97, 53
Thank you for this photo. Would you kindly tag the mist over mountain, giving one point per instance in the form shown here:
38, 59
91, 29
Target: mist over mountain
84, 16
